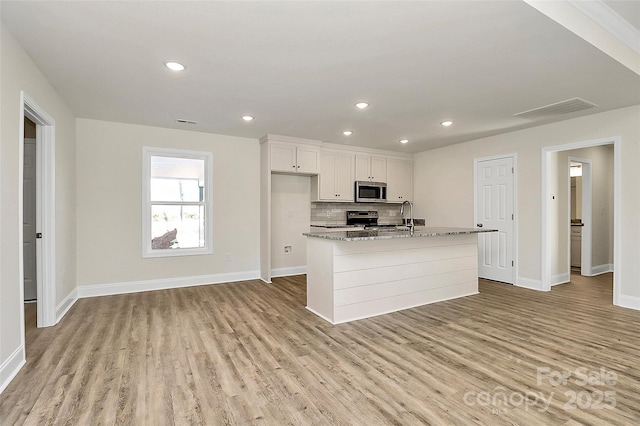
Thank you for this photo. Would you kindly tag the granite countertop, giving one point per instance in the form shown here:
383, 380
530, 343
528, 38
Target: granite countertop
314, 225
388, 234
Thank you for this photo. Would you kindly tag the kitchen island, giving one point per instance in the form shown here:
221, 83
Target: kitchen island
358, 274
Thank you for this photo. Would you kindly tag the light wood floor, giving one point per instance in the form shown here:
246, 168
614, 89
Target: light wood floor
249, 353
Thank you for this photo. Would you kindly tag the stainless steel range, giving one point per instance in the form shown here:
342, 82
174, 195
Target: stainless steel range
368, 219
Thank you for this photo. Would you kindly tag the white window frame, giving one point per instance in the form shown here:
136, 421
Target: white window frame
147, 153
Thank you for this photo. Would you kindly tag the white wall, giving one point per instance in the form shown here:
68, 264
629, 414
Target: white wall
290, 217
444, 185
18, 73
109, 204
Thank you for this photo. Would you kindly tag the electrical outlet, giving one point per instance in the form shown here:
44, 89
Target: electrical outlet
287, 250
227, 257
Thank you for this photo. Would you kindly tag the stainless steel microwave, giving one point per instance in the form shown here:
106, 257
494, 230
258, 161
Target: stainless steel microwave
371, 192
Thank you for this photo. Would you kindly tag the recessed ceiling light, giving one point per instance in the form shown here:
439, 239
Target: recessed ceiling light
247, 117
362, 105
404, 140
347, 133
447, 123
174, 66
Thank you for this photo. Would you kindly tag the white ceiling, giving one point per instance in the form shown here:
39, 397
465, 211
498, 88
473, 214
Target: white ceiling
627, 9
299, 67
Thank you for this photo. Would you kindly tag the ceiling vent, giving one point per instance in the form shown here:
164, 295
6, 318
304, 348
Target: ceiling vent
183, 121
559, 108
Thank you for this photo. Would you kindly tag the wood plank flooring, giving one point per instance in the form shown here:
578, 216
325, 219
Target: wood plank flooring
250, 353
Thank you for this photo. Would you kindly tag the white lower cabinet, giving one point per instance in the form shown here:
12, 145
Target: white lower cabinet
322, 229
576, 246
343, 285
336, 179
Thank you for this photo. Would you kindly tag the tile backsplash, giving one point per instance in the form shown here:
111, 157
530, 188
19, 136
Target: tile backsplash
336, 213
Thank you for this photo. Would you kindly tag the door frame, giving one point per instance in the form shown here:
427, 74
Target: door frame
45, 211
514, 158
587, 202
546, 240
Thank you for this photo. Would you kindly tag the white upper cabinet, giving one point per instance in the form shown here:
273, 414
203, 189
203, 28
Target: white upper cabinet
308, 159
371, 168
283, 157
336, 179
345, 177
295, 158
399, 180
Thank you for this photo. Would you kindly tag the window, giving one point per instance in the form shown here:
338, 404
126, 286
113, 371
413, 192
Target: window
176, 213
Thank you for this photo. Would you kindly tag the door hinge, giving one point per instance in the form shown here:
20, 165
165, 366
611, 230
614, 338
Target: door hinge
512, 171
38, 234
513, 263
511, 216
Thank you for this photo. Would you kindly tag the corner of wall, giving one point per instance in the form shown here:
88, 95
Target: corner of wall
66, 304
286, 272
560, 279
11, 366
629, 302
529, 283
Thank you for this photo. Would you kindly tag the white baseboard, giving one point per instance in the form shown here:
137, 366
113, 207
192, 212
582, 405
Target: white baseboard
631, 302
560, 279
601, 269
529, 283
163, 284
11, 367
66, 304
286, 272
320, 315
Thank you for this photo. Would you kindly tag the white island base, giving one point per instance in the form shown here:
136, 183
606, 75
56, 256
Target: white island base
349, 280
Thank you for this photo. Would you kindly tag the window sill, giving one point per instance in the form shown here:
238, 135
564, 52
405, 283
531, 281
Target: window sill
177, 252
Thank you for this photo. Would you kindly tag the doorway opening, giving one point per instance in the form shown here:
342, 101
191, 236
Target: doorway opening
29, 194
551, 214
44, 206
580, 215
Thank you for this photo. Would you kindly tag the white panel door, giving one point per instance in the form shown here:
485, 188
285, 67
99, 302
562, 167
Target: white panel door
495, 210
29, 223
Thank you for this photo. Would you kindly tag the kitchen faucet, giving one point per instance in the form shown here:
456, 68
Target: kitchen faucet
409, 224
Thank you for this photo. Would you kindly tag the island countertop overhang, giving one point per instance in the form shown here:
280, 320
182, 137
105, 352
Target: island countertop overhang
364, 235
